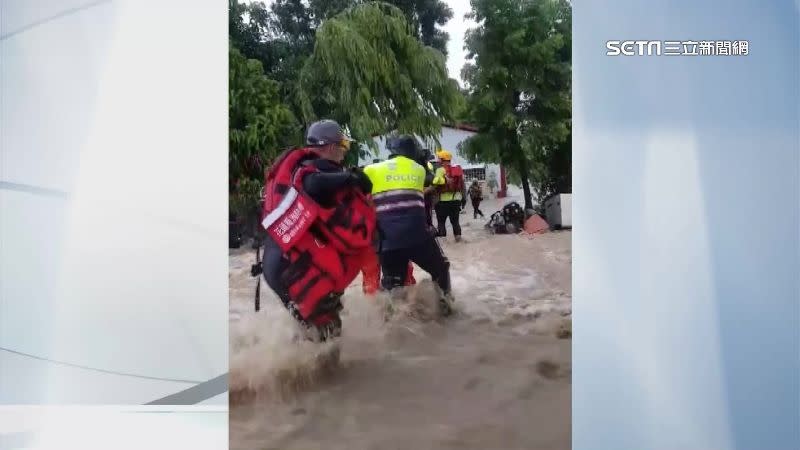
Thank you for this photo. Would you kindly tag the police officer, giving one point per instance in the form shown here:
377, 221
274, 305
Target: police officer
397, 190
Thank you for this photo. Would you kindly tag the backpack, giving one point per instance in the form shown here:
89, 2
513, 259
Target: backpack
514, 214
475, 192
509, 220
455, 179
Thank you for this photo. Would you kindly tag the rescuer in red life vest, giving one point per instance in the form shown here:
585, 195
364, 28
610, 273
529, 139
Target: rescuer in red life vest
452, 194
319, 223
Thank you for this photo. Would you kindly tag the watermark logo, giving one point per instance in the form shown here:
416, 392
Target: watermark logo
677, 48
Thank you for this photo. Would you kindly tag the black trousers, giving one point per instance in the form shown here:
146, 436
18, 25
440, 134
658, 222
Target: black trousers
429, 210
476, 203
427, 255
448, 210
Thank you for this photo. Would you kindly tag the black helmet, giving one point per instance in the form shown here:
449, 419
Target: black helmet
404, 145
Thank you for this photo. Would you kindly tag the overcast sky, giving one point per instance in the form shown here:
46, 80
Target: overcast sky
456, 27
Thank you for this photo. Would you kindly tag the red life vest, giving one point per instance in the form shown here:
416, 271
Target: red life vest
323, 245
455, 179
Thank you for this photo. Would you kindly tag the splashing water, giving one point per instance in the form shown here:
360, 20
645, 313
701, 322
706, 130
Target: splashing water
271, 355
495, 375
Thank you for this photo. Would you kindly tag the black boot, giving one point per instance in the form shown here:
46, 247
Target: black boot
446, 304
331, 305
330, 330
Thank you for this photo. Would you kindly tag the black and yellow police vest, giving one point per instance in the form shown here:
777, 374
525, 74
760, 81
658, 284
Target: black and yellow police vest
397, 184
397, 190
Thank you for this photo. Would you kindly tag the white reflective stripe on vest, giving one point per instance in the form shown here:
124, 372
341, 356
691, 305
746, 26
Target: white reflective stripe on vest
399, 205
395, 192
282, 207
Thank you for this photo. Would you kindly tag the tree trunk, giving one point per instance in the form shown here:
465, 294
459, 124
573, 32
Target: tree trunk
522, 161
522, 167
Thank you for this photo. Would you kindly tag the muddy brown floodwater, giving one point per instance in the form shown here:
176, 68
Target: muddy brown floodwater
495, 376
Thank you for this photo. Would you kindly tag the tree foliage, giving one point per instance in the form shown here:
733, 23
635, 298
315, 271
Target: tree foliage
259, 123
369, 71
290, 24
360, 63
283, 35
519, 84
363, 64
425, 17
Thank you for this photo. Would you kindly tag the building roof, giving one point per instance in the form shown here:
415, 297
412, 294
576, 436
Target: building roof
461, 126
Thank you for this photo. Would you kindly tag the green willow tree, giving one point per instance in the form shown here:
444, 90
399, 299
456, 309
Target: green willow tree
519, 90
291, 24
283, 35
364, 67
370, 72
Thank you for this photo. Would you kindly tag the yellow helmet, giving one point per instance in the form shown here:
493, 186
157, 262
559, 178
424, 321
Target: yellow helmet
444, 155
